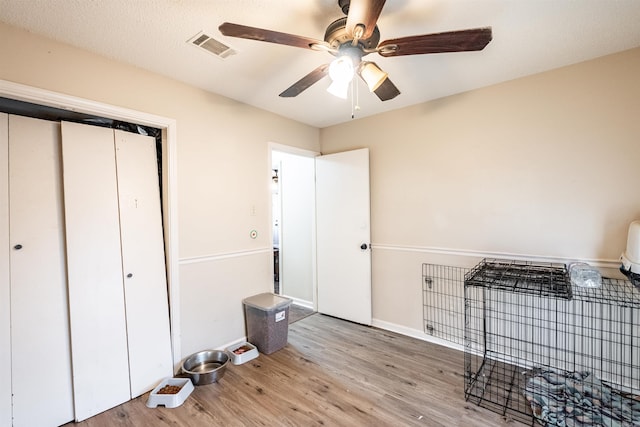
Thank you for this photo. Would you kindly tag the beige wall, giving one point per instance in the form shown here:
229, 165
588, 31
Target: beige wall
542, 166
223, 173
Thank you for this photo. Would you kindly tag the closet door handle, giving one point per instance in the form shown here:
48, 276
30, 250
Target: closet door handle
17, 247
129, 276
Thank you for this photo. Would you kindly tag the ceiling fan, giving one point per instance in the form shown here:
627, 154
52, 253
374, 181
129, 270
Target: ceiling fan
353, 37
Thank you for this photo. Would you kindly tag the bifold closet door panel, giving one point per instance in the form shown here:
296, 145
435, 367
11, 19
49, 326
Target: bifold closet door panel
96, 294
143, 261
5, 293
40, 345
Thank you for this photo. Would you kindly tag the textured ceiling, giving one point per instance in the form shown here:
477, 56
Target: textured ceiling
529, 36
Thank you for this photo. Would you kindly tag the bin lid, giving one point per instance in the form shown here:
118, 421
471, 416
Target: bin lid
267, 301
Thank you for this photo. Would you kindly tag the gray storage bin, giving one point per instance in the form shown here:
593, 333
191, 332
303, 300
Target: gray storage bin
267, 317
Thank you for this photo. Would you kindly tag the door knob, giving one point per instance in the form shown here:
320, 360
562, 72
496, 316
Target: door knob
364, 246
129, 276
17, 247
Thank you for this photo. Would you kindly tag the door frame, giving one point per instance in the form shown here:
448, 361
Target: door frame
6, 402
48, 98
274, 146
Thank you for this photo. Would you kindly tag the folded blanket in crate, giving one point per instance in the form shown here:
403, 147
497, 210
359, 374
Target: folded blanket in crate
575, 399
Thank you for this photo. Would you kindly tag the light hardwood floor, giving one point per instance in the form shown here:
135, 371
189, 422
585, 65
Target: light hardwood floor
331, 373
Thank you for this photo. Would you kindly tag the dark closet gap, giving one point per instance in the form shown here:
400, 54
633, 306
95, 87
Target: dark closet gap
36, 111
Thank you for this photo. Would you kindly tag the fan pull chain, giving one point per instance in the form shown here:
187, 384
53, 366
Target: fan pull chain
354, 107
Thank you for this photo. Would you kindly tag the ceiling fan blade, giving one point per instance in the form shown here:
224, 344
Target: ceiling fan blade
364, 12
387, 90
259, 34
306, 82
451, 41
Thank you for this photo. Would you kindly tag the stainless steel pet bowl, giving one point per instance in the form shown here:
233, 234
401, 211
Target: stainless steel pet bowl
206, 367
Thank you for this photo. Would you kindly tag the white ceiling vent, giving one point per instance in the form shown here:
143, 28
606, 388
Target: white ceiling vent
211, 45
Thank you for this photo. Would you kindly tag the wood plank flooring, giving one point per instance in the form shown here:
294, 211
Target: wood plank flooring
331, 373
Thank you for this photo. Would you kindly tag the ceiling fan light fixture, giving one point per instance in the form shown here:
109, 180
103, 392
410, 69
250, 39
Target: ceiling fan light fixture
339, 89
354, 36
341, 69
372, 75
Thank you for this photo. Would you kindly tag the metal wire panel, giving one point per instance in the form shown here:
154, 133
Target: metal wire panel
443, 302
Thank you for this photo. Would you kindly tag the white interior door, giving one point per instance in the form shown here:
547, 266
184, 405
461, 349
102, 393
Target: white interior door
40, 346
143, 262
96, 294
5, 293
343, 227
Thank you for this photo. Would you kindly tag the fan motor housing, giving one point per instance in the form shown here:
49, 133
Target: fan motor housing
336, 35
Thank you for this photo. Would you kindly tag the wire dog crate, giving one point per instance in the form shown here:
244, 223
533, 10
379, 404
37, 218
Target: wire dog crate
537, 348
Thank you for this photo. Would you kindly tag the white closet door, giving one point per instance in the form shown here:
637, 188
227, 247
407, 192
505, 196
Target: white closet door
96, 295
5, 294
40, 348
143, 262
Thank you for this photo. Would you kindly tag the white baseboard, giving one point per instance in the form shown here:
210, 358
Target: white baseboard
414, 333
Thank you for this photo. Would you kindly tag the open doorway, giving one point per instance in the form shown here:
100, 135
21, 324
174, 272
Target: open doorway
293, 224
